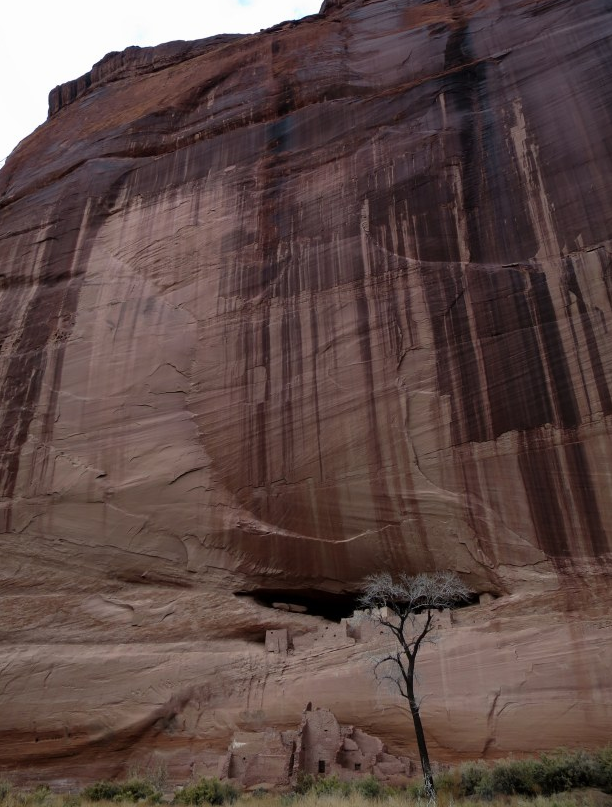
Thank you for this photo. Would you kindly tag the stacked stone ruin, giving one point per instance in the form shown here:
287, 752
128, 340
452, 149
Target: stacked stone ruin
320, 746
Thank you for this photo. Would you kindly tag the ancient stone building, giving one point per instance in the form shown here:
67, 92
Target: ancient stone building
277, 641
319, 741
259, 757
321, 746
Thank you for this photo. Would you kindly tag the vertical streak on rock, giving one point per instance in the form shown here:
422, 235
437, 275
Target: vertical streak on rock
20, 391
572, 286
540, 464
564, 399
542, 478
493, 223
365, 297
457, 365
291, 372
444, 284
273, 285
262, 406
63, 328
552, 502
584, 496
52, 306
463, 89
408, 491
506, 331
528, 161
485, 547
47, 323
314, 332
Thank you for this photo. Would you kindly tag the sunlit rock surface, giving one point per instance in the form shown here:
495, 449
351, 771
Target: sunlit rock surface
280, 310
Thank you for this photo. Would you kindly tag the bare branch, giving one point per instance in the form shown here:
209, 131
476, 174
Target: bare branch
413, 594
393, 658
395, 676
427, 628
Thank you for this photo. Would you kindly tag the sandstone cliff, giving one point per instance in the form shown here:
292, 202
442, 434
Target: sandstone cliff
282, 309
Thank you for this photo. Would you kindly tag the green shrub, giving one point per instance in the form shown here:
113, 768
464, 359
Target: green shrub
471, 776
304, 783
370, 787
603, 769
101, 791
41, 794
156, 773
484, 789
209, 791
139, 790
566, 771
416, 791
132, 790
5, 789
472, 779
448, 782
331, 786
549, 774
516, 778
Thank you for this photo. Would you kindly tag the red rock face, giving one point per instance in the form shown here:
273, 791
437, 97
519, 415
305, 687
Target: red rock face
281, 310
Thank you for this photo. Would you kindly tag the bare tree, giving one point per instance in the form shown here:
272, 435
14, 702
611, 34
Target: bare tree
406, 608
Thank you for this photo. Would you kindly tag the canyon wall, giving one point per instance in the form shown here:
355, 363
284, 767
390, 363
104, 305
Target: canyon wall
280, 310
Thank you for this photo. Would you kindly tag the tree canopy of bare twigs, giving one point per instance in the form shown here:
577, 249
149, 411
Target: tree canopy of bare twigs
406, 608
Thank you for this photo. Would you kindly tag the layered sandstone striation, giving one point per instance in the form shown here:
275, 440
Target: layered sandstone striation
278, 311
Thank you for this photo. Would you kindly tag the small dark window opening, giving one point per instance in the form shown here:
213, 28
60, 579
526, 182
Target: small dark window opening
358, 766
321, 766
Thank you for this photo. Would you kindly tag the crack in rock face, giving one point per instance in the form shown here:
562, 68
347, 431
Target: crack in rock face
284, 310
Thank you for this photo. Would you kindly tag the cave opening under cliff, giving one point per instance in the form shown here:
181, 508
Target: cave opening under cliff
332, 606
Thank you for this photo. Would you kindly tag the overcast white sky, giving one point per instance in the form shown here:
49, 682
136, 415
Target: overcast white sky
46, 42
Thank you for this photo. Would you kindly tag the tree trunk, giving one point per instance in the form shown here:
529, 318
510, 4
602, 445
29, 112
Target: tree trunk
430, 789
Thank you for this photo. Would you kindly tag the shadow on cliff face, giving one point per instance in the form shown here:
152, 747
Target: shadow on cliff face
329, 605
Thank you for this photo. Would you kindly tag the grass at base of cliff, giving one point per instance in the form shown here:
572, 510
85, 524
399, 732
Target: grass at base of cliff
581, 798
578, 798
563, 779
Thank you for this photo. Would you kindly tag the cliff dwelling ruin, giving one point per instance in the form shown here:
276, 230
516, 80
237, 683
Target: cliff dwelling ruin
320, 746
